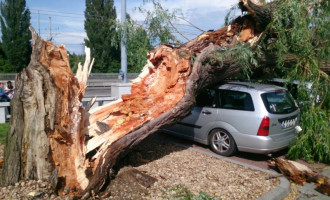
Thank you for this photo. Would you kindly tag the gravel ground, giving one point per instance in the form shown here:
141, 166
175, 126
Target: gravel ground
171, 170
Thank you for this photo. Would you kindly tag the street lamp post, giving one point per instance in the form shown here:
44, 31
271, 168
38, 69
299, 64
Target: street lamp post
123, 71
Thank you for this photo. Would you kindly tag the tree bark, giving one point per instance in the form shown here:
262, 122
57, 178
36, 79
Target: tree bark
300, 174
53, 138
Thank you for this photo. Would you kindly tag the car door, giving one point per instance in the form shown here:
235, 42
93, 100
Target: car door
237, 112
204, 112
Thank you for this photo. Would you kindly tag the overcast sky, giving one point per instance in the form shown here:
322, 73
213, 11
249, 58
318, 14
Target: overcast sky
67, 17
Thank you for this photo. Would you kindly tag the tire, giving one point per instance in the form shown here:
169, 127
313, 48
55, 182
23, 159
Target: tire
221, 142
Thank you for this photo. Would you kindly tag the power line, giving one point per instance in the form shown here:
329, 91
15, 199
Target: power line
56, 15
65, 14
57, 12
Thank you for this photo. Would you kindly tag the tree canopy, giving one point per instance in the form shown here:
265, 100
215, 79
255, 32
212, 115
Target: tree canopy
4, 66
15, 22
302, 32
100, 26
296, 45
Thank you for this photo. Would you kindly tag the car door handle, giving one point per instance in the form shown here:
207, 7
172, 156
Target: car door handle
206, 112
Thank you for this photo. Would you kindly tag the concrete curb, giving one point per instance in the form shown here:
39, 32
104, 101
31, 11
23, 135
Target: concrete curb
278, 193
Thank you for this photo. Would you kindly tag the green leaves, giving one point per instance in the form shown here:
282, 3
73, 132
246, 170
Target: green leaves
100, 26
182, 193
243, 54
159, 23
137, 44
302, 31
74, 60
15, 21
314, 143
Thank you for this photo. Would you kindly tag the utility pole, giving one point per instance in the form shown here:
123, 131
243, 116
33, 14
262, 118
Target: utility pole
123, 43
38, 22
50, 28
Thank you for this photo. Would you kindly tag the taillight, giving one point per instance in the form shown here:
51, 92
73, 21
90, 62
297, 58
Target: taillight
264, 127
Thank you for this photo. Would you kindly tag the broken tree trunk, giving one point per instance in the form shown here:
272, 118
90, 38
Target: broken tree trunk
46, 116
300, 173
51, 137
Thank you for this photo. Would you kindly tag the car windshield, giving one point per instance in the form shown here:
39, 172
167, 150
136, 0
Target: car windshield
279, 102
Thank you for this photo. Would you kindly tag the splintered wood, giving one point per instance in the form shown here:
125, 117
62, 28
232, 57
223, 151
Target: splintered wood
300, 174
65, 138
158, 88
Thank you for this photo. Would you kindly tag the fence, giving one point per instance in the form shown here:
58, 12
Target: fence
94, 80
100, 101
98, 76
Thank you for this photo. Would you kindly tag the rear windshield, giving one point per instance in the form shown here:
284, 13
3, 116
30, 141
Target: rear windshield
279, 102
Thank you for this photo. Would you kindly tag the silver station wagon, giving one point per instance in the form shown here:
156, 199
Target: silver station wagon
242, 116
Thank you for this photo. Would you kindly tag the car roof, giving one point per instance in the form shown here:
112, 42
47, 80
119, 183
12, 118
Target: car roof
244, 86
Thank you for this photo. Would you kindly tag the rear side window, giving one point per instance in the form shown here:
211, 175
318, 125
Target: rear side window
279, 102
235, 100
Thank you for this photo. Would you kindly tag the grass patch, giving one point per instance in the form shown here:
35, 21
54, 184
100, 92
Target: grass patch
3, 132
180, 192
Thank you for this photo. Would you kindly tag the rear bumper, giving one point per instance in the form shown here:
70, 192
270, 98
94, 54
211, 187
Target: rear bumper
266, 144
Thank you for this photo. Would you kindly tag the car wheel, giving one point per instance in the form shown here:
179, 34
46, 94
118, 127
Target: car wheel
221, 142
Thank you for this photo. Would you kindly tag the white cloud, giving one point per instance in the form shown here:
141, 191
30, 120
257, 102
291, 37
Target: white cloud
70, 37
73, 24
204, 14
73, 41
188, 7
201, 4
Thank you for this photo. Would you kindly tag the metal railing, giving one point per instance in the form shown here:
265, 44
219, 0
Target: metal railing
12, 76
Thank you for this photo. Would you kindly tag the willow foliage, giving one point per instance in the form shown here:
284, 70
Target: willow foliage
301, 29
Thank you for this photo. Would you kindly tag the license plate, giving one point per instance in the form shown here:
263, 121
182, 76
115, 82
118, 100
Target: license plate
288, 123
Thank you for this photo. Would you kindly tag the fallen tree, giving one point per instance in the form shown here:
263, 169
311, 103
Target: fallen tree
300, 174
51, 137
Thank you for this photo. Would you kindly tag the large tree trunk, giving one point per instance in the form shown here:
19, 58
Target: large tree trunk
52, 137
300, 174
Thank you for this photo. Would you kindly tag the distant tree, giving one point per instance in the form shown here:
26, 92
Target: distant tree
15, 22
157, 28
3, 61
137, 45
100, 26
74, 60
